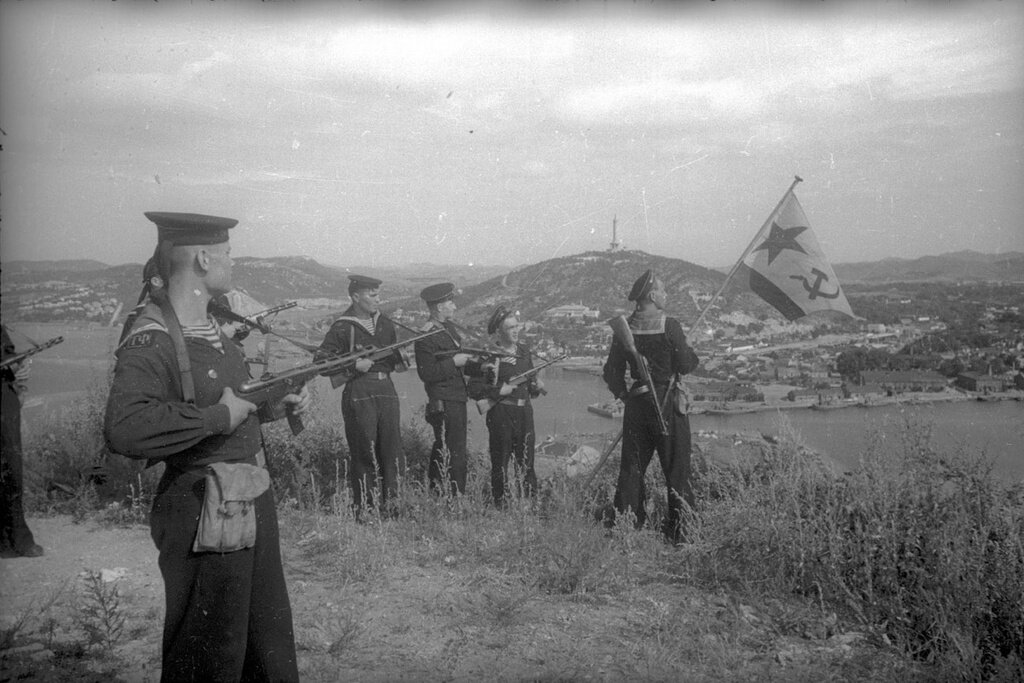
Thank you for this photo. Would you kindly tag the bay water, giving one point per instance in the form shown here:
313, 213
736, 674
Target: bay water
992, 430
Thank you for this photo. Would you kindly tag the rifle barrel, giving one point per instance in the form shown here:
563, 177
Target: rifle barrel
18, 357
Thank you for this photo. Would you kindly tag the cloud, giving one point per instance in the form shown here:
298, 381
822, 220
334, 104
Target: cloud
662, 102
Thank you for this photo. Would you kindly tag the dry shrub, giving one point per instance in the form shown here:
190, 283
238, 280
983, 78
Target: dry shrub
922, 546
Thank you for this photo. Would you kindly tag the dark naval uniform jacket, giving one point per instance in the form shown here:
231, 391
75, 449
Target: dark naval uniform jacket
348, 333
502, 369
147, 416
662, 342
442, 380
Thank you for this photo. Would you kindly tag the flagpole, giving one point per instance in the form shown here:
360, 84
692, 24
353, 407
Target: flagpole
693, 328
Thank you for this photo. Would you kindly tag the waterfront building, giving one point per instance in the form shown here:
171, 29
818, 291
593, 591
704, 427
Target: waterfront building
984, 384
896, 382
864, 392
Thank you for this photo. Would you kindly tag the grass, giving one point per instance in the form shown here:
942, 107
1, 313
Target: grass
910, 566
919, 547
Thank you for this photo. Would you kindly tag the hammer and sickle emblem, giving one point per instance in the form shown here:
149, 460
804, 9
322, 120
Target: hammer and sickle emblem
815, 289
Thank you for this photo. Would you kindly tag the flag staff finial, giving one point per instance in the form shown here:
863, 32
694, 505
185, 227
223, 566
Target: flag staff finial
796, 180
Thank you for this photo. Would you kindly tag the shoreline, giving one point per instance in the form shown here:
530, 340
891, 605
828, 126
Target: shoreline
910, 398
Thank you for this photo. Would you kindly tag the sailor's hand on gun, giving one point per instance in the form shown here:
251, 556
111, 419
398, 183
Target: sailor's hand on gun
21, 376
460, 359
230, 329
238, 408
297, 404
506, 389
363, 365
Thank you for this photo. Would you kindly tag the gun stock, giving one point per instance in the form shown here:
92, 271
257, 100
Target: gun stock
18, 357
621, 331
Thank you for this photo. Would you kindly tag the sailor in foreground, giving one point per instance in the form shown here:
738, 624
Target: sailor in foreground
15, 537
213, 520
654, 349
369, 402
443, 367
511, 433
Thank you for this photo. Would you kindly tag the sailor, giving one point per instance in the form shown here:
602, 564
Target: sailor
660, 340
443, 368
15, 536
227, 616
511, 434
369, 402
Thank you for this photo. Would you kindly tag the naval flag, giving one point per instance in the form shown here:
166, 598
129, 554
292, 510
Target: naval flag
787, 268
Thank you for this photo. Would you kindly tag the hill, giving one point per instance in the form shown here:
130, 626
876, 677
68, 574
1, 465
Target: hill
599, 280
69, 266
960, 266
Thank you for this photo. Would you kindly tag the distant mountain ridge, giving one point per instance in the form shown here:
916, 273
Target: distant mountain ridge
951, 267
69, 266
599, 280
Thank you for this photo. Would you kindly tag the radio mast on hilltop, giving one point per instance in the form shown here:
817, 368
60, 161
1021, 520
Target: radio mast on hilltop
616, 245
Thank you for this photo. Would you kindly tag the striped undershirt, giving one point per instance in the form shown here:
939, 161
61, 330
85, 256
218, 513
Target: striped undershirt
209, 332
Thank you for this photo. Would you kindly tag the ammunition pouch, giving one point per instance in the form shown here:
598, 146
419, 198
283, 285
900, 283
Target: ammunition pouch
681, 399
227, 521
434, 410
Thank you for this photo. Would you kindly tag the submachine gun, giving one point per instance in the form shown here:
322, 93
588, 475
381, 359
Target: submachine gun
483, 354
18, 357
268, 391
254, 322
621, 331
485, 404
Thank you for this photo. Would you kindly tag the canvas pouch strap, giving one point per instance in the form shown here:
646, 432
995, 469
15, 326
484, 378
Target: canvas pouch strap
227, 521
188, 387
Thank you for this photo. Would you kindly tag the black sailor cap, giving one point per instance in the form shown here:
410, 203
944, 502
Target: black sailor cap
182, 229
435, 294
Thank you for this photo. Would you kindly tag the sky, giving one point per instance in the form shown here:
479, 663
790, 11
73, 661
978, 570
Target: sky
386, 133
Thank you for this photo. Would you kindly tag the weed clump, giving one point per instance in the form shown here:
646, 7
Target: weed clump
69, 470
99, 612
922, 547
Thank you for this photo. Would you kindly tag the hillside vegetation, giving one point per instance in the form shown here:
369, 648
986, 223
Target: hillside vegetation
911, 567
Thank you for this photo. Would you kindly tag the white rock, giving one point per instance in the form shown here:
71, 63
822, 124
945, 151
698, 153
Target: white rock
111, 575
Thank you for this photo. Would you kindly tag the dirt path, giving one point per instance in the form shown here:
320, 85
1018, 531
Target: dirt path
49, 590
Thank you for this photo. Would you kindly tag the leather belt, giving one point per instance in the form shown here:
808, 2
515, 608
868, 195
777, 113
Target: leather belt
260, 458
641, 389
376, 375
519, 403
